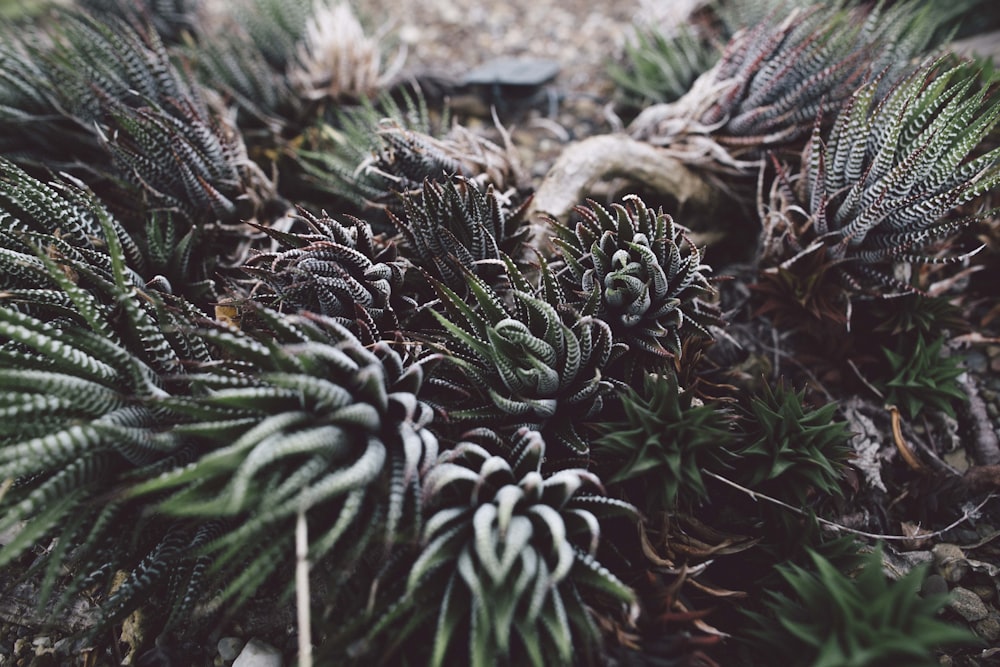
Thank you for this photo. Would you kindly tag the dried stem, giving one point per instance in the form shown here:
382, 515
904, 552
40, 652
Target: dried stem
756, 495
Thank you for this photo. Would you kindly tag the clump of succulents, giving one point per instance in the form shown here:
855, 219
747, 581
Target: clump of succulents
211, 437
202, 390
827, 618
879, 189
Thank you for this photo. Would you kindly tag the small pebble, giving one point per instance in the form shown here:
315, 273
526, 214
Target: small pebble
258, 654
968, 605
229, 648
949, 560
976, 361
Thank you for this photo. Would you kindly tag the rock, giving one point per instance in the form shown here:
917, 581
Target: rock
527, 72
968, 605
989, 628
229, 648
259, 654
950, 562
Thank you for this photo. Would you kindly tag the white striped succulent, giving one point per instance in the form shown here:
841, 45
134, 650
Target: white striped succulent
880, 189
776, 77
509, 556
521, 363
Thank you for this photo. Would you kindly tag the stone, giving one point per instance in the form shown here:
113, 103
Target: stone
229, 648
950, 562
968, 605
989, 628
518, 72
259, 654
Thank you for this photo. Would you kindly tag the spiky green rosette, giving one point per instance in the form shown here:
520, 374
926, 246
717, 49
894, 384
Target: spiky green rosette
877, 192
656, 454
452, 227
339, 270
919, 377
507, 570
635, 269
789, 449
521, 363
831, 620
775, 78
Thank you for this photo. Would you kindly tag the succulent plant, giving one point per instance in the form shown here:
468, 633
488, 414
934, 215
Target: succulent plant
520, 363
790, 450
338, 270
659, 66
776, 77
636, 269
509, 557
452, 227
879, 190
920, 377
656, 454
830, 619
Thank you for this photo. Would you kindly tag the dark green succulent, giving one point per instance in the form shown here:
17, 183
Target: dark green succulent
521, 363
920, 377
832, 620
635, 269
789, 449
657, 453
338, 270
508, 570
